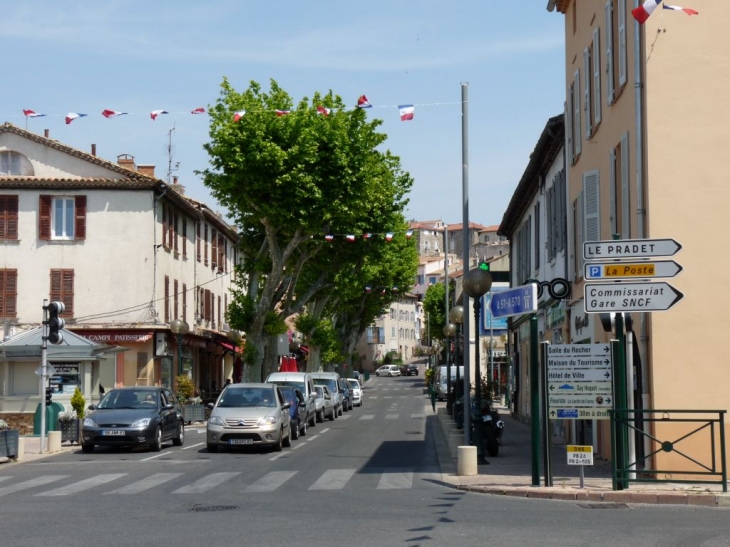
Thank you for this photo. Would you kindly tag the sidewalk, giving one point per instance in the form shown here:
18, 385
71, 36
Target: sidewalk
29, 449
510, 473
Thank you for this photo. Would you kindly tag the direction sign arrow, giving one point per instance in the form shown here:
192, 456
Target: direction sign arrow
629, 248
578, 375
517, 301
622, 297
609, 271
562, 351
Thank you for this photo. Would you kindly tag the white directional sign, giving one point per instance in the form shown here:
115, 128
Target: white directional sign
51, 370
623, 297
586, 375
580, 387
613, 271
579, 455
629, 248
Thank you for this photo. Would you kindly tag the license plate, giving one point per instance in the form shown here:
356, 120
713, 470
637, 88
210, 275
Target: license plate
487, 418
240, 441
113, 433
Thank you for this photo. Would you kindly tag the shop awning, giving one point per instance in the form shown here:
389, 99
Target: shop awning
231, 347
26, 346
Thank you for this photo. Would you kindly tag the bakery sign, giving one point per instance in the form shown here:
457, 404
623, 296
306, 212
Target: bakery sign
101, 337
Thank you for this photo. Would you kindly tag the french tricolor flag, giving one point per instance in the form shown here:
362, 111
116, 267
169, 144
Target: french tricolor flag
112, 113
238, 115
283, 112
350, 237
642, 13
406, 112
329, 237
156, 113
32, 114
322, 110
389, 236
71, 116
362, 102
199, 110
688, 11
409, 233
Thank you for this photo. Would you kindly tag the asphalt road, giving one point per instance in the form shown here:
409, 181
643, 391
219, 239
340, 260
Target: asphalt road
369, 478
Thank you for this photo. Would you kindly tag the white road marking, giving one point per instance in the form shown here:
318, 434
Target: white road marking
367, 416
297, 446
206, 483
279, 455
333, 479
391, 416
388, 397
145, 484
32, 483
193, 446
80, 486
312, 438
325, 430
345, 417
373, 396
403, 396
416, 416
153, 457
270, 481
396, 480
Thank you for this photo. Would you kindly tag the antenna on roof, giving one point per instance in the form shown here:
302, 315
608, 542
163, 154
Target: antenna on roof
170, 168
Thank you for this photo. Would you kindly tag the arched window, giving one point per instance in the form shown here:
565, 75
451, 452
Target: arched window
15, 164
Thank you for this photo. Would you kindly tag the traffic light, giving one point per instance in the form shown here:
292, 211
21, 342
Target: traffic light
484, 266
49, 395
55, 323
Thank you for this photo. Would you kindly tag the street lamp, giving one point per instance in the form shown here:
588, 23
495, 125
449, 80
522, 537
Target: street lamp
449, 331
456, 316
180, 328
476, 284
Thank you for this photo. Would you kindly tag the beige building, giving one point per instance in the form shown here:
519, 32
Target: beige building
646, 135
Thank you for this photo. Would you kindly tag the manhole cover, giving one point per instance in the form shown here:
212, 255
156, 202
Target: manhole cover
212, 508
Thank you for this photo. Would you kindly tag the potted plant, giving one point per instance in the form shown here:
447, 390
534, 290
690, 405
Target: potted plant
68, 423
192, 405
9, 440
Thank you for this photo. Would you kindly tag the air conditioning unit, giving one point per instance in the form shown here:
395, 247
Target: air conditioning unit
161, 347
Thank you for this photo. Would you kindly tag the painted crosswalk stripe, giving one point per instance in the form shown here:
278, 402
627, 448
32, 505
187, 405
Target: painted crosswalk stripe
416, 416
5, 478
206, 483
193, 446
403, 396
145, 484
367, 416
32, 483
391, 416
388, 397
334, 479
373, 396
396, 480
346, 417
80, 486
270, 481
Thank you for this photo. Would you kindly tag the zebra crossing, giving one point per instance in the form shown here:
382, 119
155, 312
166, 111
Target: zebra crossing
54, 486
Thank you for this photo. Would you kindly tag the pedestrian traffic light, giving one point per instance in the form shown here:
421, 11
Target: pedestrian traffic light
49, 395
484, 266
55, 323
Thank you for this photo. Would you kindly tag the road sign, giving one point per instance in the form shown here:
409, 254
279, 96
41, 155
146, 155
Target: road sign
572, 374
629, 248
570, 400
563, 351
580, 387
611, 271
517, 301
579, 455
587, 413
622, 297
51, 370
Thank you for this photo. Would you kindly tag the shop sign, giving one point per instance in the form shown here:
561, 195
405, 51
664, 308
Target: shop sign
116, 337
555, 317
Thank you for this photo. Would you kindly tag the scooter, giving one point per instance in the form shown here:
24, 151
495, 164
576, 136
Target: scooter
492, 429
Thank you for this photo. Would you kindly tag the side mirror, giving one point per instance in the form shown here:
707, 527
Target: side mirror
286, 406
91, 407
210, 405
169, 406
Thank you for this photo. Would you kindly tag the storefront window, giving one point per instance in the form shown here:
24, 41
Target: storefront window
166, 372
66, 378
186, 366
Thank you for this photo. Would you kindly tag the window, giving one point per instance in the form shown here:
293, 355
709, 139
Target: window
205, 249
184, 302
62, 218
616, 49
432, 280
214, 251
537, 235
622, 53
556, 216
8, 293
222, 253
596, 57
620, 206
197, 240
8, 217
62, 290
167, 299
591, 211
392, 332
577, 138
10, 163
164, 227
609, 53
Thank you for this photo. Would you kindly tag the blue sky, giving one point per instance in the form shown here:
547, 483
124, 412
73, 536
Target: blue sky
141, 56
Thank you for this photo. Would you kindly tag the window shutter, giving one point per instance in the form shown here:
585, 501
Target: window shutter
55, 285
587, 97
563, 215
213, 248
622, 53
206, 310
80, 210
568, 109
537, 235
184, 237
205, 250
197, 240
174, 231
44, 217
184, 302
8, 293
164, 226
625, 193
596, 75
609, 52
68, 292
612, 186
591, 206
219, 313
167, 299
576, 114
8, 217
382, 335
579, 236
221, 251
175, 308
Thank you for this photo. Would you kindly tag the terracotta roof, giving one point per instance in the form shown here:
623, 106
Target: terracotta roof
76, 184
472, 226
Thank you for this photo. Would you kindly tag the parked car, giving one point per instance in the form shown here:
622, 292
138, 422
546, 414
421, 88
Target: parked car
388, 370
326, 402
302, 381
331, 380
249, 414
346, 394
134, 416
408, 370
297, 410
356, 390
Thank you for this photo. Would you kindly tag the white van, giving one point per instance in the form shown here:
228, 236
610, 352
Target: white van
332, 381
440, 380
304, 382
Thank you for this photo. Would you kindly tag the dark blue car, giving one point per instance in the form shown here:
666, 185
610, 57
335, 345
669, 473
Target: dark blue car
297, 410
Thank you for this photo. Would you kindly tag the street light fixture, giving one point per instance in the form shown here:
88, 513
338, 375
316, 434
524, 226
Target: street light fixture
449, 332
456, 316
476, 284
180, 328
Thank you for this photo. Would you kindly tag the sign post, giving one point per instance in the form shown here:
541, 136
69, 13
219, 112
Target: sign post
580, 456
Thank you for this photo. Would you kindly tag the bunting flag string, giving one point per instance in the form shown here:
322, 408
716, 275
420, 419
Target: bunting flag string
388, 236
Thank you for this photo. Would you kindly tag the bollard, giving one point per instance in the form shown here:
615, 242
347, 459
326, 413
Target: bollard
54, 441
21, 449
467, 461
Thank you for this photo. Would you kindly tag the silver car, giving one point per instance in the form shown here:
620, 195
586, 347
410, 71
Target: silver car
355, 390
249, 415
325, 403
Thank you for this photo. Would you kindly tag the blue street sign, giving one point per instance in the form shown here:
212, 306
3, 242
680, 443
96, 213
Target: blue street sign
595, 271
567, 413
517, 301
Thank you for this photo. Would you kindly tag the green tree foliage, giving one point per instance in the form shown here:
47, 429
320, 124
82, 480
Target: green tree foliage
78, 403
434, 304
288, 181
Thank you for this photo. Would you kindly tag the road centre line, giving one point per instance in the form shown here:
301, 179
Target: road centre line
153, 457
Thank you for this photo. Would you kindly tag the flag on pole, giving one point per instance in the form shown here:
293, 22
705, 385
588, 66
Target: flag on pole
199, 110
642, 13
406, 112
156, 113
238, 115
322, 110
688, 11
71, 116
362, 102
283, 112
112, 113
32, 114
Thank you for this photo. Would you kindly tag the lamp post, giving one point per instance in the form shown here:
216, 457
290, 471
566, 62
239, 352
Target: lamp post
476, 285
449, 331
456, 316
179, 328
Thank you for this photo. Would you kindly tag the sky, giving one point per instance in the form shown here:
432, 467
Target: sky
135, 57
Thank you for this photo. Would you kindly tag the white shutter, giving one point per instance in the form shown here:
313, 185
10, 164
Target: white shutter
577, 138
612, 188
597, 75
587, 98
625, 186
609, 52
568, 107
591, 206
622, 53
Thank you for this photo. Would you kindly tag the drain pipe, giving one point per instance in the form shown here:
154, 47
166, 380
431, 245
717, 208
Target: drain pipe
153, 304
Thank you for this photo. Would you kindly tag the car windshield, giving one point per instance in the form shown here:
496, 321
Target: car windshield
128, 398
332, 384
247, 397
353, 384
299, 385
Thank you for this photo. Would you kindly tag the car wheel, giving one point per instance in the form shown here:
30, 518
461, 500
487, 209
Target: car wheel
87, 448
280, 443
294, 432
333, 414
287, 439
156, 445
180, 438
212, 447
303, 430
377, 374
313, 420
320, 416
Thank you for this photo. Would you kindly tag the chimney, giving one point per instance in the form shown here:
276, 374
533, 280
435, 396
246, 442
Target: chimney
146, 170
174, 180
46, 133
126, 161
179, 188
93, 150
